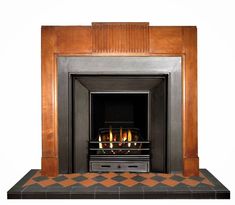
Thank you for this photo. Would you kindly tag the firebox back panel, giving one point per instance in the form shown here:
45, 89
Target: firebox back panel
119, 110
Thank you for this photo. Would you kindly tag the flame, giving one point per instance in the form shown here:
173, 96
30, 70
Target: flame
124, 136
100, 144
110, 137
120, 144
129, 137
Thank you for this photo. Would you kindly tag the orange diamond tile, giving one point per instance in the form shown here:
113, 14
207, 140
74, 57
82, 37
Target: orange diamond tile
190, 182
29, 182
109, 175
128, 174
46, 182
90, 175
149, 182
108, 182
147, 175
206, 181
71, 176
165, 175
88, 182
67, 182
129, 182
170, 182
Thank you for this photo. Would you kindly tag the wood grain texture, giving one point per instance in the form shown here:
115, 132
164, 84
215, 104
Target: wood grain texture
166, 39
73, 40
120, 38
190, 141
49, 105
107, 39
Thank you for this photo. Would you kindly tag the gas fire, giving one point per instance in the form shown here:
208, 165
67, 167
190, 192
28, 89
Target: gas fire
119, 137
119, 140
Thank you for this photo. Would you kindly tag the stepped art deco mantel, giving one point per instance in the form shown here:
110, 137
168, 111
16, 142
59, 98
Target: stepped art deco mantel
125, 40
119, 115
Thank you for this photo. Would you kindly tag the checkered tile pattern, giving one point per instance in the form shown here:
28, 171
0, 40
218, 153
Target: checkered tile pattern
111, 179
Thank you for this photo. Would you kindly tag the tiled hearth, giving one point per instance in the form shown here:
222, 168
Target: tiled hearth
118, 186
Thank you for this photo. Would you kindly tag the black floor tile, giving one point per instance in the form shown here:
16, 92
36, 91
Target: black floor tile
222, 195
131, 195
108, 195
80, 195
135, 192
34, 195
59, 178
203, 195
81, 189
80, 178
197, 178
99, 178
160, 194
58, 195
33, 188
158, 178
119, 178
177, 178
179, 194
79, 192
12, 195
40, 178
107, 192
138, 178
157, 192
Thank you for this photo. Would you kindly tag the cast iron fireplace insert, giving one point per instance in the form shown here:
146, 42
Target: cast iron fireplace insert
119, 114
121, 118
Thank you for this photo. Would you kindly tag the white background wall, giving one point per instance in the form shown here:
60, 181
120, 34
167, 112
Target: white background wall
20, 77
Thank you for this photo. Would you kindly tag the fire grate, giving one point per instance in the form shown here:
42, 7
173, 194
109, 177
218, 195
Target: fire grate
119, 149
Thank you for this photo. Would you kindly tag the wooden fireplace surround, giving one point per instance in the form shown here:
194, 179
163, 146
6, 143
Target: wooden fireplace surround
118, 39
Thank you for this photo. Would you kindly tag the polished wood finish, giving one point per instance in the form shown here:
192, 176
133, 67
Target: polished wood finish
73, 40
190, 148
108, 39
49, 103
166, 40
120, 38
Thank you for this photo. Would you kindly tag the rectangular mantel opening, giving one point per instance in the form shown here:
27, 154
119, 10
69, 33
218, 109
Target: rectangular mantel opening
120, 116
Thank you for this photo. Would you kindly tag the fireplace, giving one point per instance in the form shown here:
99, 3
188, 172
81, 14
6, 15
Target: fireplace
129, 49
119, 114
119, 108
